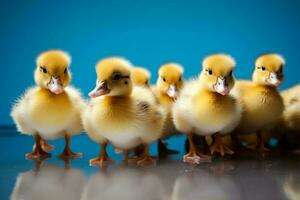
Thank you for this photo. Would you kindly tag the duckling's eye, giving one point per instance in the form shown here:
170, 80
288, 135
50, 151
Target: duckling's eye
65, 71
44, 70
230, 73
163, 78
180, 78
116, 77
263, 68
146, 82
210, 72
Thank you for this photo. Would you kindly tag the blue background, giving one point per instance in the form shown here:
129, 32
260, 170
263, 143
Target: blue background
146, 32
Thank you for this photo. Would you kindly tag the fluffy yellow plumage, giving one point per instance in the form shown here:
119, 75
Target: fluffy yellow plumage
205, 107
51, 109
120, 113
260, 99
166, 90
140, 76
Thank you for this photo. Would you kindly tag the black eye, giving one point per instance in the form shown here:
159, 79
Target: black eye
163, 79
126, 82
263, 68
65, 71
44, 69
210, 72
180, 78
146, 82
230, 73
116, 77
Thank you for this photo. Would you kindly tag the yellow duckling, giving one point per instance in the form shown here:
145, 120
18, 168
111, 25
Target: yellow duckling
291, 113
168, 85
51, 109
206, 108
261, 101
140, 76
121, 114
287, 128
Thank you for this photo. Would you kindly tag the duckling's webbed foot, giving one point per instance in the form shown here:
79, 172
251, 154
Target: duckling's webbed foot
219, 147
163, 150
38, 152
145, 160
103, 159
67, 153
46, 146
194, 156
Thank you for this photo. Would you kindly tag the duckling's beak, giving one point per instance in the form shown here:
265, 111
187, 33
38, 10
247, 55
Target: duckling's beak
273, 79
100, 89
221, 86
55, 85
171, 92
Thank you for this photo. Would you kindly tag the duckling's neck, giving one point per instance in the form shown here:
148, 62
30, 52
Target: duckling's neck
267, 87
47, 92
211, 93
111, 100
165, 99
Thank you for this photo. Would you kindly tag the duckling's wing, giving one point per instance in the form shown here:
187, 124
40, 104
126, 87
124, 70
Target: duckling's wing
20, 109
149, 113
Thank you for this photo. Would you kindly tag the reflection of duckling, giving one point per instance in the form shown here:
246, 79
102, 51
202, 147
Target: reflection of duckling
291, 187
260, 99
140, 76
124, 115
50, 182
167, 88
125, 184
204, 186
51, 109
205, 106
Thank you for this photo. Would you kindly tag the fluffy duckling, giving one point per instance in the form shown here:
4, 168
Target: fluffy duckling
287, 128
168, 85
51, 109
206, 108
121, 114
261, 102
291, 113
140, 76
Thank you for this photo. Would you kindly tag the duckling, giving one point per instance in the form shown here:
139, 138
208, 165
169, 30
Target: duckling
286, 129
261, 101
168, 86
291, 113
206, 108
140, 76
51, 109
120, 113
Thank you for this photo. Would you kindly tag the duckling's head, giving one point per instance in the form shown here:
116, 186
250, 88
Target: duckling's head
217, 73
140, 76
113, 77
170, 79
52, 71
269, 70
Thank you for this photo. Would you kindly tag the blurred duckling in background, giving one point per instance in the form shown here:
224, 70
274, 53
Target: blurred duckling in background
286, 130
51, 109
120, 113
206, 108
140, 76
261, 101
168, 85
